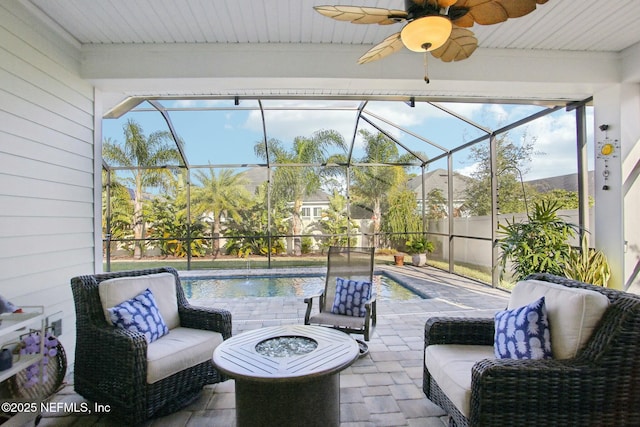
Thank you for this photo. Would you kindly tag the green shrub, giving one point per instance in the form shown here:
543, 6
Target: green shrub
587, 265
418, 245
539, 245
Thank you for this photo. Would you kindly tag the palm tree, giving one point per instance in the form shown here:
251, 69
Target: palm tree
117, 210
372, 184
294, 183
138, 152
224, 194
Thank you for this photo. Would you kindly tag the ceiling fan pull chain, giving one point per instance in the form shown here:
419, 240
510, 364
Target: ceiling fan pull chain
426, 74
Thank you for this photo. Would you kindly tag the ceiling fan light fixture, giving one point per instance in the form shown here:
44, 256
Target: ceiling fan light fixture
426, 34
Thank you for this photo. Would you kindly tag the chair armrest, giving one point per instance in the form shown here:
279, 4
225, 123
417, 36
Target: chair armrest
501, 389
459, 330
370, 307
207, 318
114, 353
371, 300
309, 301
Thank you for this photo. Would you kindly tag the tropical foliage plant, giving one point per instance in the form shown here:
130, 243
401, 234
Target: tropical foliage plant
587, 265
418, 245
335, 223
539, 245
249, 234
168, 223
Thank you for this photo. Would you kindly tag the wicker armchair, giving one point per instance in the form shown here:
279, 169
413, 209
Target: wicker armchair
599, 387
111, 363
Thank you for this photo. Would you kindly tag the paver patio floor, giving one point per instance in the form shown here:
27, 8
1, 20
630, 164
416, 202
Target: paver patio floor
383, 388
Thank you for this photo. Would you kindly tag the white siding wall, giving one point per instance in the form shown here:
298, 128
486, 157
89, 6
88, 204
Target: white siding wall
46, 166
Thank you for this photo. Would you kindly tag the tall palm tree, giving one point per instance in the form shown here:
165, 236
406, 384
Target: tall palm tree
294, 183
371, 184
116, 218
137, 152
224, 194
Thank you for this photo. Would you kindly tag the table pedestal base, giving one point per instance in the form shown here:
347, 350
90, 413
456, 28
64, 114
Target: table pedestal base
312, 402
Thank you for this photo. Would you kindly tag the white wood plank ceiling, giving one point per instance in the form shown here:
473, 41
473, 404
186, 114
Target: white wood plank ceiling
573, 25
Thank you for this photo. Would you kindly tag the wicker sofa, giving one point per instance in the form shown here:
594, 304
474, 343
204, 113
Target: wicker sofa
599, 386
117, 367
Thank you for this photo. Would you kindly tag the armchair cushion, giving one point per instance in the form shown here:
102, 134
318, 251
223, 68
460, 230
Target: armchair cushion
140, 314
450, 366
351, 296
573, 313
181, 349
163, 285
523, 333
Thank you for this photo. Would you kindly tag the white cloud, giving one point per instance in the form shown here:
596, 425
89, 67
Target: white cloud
469, 170
285, 125
554, 139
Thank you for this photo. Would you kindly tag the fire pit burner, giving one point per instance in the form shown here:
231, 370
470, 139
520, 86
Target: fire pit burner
286, 346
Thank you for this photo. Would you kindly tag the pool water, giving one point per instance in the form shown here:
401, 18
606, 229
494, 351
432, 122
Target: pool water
280, 286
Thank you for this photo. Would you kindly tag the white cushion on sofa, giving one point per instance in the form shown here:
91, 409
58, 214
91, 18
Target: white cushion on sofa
162, 285
450, 366
573, 313
179, 350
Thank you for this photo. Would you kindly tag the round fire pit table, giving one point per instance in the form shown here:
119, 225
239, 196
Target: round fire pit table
287, 375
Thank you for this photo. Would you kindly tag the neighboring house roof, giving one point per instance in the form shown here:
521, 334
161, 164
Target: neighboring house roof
319, 197
567, 182
255, 176
258, 175
439, 179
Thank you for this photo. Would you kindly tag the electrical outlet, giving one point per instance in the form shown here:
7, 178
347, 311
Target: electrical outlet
56, 327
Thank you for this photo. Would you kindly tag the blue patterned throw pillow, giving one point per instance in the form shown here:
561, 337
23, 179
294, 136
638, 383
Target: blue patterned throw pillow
350, 297
140, 314
523, 333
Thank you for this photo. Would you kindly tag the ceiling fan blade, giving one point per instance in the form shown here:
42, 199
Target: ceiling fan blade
460, 45
487, 12
362, 15
386, 47
439, 3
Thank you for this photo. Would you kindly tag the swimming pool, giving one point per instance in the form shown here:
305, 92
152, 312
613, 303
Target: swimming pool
299, 285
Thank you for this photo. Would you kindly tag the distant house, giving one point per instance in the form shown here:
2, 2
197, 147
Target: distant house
438, 179
312, 206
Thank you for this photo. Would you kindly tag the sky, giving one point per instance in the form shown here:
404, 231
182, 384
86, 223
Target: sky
227, 134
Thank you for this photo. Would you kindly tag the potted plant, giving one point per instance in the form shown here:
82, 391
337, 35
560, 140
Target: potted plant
418, 247
539, 245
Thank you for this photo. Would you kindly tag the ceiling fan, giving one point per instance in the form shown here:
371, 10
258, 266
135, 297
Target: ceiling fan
436, 26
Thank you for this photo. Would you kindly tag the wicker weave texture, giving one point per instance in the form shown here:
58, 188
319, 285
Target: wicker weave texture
111, 363
599, 387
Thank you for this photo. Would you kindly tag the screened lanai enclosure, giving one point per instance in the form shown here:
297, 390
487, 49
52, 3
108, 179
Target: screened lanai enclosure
272, 182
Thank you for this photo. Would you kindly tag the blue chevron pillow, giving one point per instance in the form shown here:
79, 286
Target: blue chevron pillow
350, 297
140, 314
523, 333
